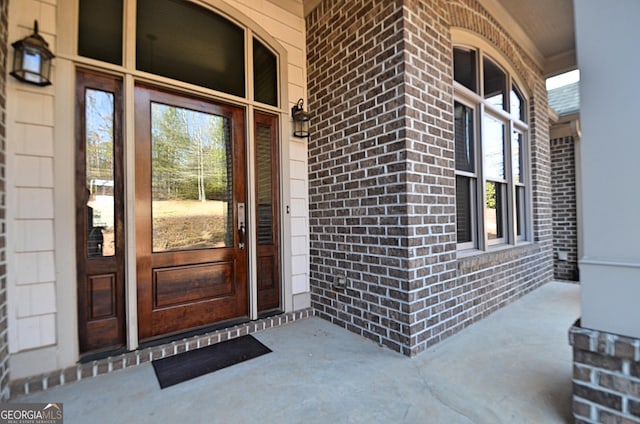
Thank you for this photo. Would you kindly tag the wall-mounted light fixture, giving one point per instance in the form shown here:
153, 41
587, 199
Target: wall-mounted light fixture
300, 120
32, 59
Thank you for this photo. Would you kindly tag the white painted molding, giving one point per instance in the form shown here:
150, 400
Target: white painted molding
614, 263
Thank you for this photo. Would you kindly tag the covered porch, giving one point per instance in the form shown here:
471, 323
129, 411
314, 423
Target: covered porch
513, 366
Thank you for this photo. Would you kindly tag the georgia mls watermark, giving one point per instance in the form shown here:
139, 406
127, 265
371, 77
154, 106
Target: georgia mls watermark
31, 413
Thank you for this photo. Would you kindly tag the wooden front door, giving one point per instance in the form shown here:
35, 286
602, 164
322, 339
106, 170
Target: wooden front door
190, 212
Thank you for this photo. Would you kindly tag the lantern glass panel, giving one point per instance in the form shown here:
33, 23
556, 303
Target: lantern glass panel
297, 127
300, 125
17, 59
46, 69
32, 60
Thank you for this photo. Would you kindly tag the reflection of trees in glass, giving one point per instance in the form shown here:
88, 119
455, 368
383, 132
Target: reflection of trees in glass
99, 144
99, 139
189, 154
490, 189
191, 179
494, 221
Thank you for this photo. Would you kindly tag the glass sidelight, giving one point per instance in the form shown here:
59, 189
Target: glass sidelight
99, 119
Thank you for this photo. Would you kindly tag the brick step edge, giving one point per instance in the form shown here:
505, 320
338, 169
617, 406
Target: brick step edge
134, 358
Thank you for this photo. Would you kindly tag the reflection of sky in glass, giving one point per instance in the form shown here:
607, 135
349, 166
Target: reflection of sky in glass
516, 104
199, 126
516, 146
493, 142
99, 110
496, 100
99, 115
189, 150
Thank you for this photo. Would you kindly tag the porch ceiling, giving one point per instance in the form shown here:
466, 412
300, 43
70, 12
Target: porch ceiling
544, 27
549, 25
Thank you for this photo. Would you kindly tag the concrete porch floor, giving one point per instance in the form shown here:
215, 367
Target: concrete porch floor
513, 367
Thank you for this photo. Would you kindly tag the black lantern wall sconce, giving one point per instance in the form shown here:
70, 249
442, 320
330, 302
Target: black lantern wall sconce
300, 120
32, 59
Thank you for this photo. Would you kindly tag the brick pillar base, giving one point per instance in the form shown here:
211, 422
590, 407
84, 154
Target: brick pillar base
606, 377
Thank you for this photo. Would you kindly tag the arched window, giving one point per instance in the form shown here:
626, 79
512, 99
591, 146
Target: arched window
180, 40
490, 153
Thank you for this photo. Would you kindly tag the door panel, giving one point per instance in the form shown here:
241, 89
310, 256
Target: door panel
103, 296
182, 285
190, 177
267, 196
99, 213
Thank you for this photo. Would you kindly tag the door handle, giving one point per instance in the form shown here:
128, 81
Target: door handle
242, 232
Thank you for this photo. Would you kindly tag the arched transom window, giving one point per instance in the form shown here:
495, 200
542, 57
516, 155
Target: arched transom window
183, 41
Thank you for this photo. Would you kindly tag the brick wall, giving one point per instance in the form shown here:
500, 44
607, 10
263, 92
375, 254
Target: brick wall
381, 174
606, 377
431, 220
357, 168
541, 170
4, 345
483, 283
565, 230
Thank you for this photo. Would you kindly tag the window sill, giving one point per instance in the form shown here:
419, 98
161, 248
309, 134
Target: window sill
474, 260
471, 259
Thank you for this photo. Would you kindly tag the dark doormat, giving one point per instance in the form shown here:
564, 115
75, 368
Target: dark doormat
192, 364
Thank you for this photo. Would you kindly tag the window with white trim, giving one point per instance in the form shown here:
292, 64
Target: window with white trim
491, 161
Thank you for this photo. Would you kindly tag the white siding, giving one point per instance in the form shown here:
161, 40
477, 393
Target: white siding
30, 238
34, 171
33, 267
36, 299
33, 140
